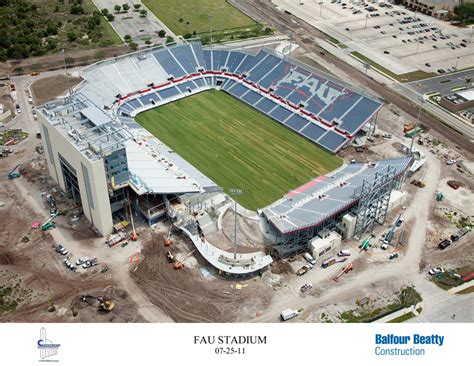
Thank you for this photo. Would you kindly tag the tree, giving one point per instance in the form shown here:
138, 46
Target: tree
77, 9
18, 70
267, 31
187, 35
127, 38
162, 33
133, 45
105, 12
117, 8
464, 12
125, 7
71, 36
110, 17
137, 6
169, 39
180, 20
143, 13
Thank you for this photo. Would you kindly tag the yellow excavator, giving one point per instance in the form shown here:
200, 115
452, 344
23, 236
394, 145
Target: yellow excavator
100, 302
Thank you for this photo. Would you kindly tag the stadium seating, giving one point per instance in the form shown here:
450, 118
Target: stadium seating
305, 100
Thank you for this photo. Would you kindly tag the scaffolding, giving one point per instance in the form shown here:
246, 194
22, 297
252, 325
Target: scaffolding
374, 199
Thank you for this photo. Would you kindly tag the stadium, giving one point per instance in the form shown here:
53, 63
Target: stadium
174, 130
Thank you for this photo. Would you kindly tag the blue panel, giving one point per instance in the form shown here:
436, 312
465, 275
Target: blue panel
235, 59
209, 80
184, 87
280, 113
332, 140
237, 90
340, 105
263, 68
315, 105
198, 52
168, 93
135, 103
296, 122
250, 61
358, 115
228, 85
276, 75
220, 58
185, 57
313, 131
207, 59
199, 82
251, 97
169, 64
265, 105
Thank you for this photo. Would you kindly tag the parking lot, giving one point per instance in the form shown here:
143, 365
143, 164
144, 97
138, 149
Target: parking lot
390, 35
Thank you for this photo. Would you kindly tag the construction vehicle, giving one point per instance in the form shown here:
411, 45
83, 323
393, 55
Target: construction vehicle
439, 197
348, 267
170, 257
460, 234
413, 132
133, 235
13, 173
331, 261
418, 183
288, 314
100, 302
115, 239
180, 264
408, 127
168, 241
364, 245
389, 237
49, 224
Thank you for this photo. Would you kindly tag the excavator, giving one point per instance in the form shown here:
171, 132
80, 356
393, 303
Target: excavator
168, 241
100, 302
180, 264
346, 269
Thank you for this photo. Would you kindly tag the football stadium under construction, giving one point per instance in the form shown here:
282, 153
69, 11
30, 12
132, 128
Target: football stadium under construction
106, 162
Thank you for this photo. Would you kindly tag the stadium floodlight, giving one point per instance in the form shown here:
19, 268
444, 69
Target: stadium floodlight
235, 192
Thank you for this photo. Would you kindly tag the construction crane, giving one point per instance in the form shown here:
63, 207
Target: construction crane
347, 268
48, 224
389, 237
101, 303
12, 174
133, 235
168, 240
180, 264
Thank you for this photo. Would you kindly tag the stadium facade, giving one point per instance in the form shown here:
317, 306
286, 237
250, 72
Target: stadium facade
103, 159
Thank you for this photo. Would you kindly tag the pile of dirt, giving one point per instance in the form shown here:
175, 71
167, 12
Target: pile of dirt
188, 296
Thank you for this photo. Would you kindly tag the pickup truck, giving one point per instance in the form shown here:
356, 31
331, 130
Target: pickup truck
288, 314
304, 269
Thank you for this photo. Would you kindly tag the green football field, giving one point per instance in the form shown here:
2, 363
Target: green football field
237, 146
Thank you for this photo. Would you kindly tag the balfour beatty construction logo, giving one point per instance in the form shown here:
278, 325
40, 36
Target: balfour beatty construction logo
47, 348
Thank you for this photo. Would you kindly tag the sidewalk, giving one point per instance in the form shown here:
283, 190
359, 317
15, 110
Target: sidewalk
411, 309
464, 286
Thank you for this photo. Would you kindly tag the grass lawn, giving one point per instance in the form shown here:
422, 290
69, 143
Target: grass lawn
402, 318
237, 146
194, 15
404, 78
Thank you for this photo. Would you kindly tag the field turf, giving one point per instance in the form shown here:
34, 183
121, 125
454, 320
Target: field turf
237, 146
188, 16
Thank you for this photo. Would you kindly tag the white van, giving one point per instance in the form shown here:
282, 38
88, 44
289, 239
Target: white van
309, 258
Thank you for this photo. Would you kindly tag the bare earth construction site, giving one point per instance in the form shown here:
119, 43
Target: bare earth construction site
308, 197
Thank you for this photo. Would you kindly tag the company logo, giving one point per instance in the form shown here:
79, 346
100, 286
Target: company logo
47, 348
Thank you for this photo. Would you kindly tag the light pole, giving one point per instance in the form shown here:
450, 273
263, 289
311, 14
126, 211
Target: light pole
366, 19
472, 31
417, 46
366, 67
65, 71
235, 192
416, 125
320, 8
457, 60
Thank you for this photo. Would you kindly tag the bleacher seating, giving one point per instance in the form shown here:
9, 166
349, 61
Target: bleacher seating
304, 100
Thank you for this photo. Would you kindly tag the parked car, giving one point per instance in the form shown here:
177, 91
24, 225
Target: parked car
90, 263
306, 287
304, 269
393, 255
82, 260
436, 270
61, 249
309, 258
451, 162
69, 265
344, 253
444, 244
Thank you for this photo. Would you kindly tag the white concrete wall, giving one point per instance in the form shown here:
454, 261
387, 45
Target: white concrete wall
100, 215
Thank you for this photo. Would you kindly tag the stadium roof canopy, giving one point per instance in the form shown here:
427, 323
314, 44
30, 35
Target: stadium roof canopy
323, 197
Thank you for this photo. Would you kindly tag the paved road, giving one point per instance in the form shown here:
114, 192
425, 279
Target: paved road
443, 83
462, 306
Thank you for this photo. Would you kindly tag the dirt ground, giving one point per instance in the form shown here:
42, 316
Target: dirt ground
5, 98
47, 89
196, 293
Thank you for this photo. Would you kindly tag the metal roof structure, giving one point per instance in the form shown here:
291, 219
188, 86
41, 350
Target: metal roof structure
323, 197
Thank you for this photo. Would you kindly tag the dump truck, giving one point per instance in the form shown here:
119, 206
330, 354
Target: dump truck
408, 127
288, 314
